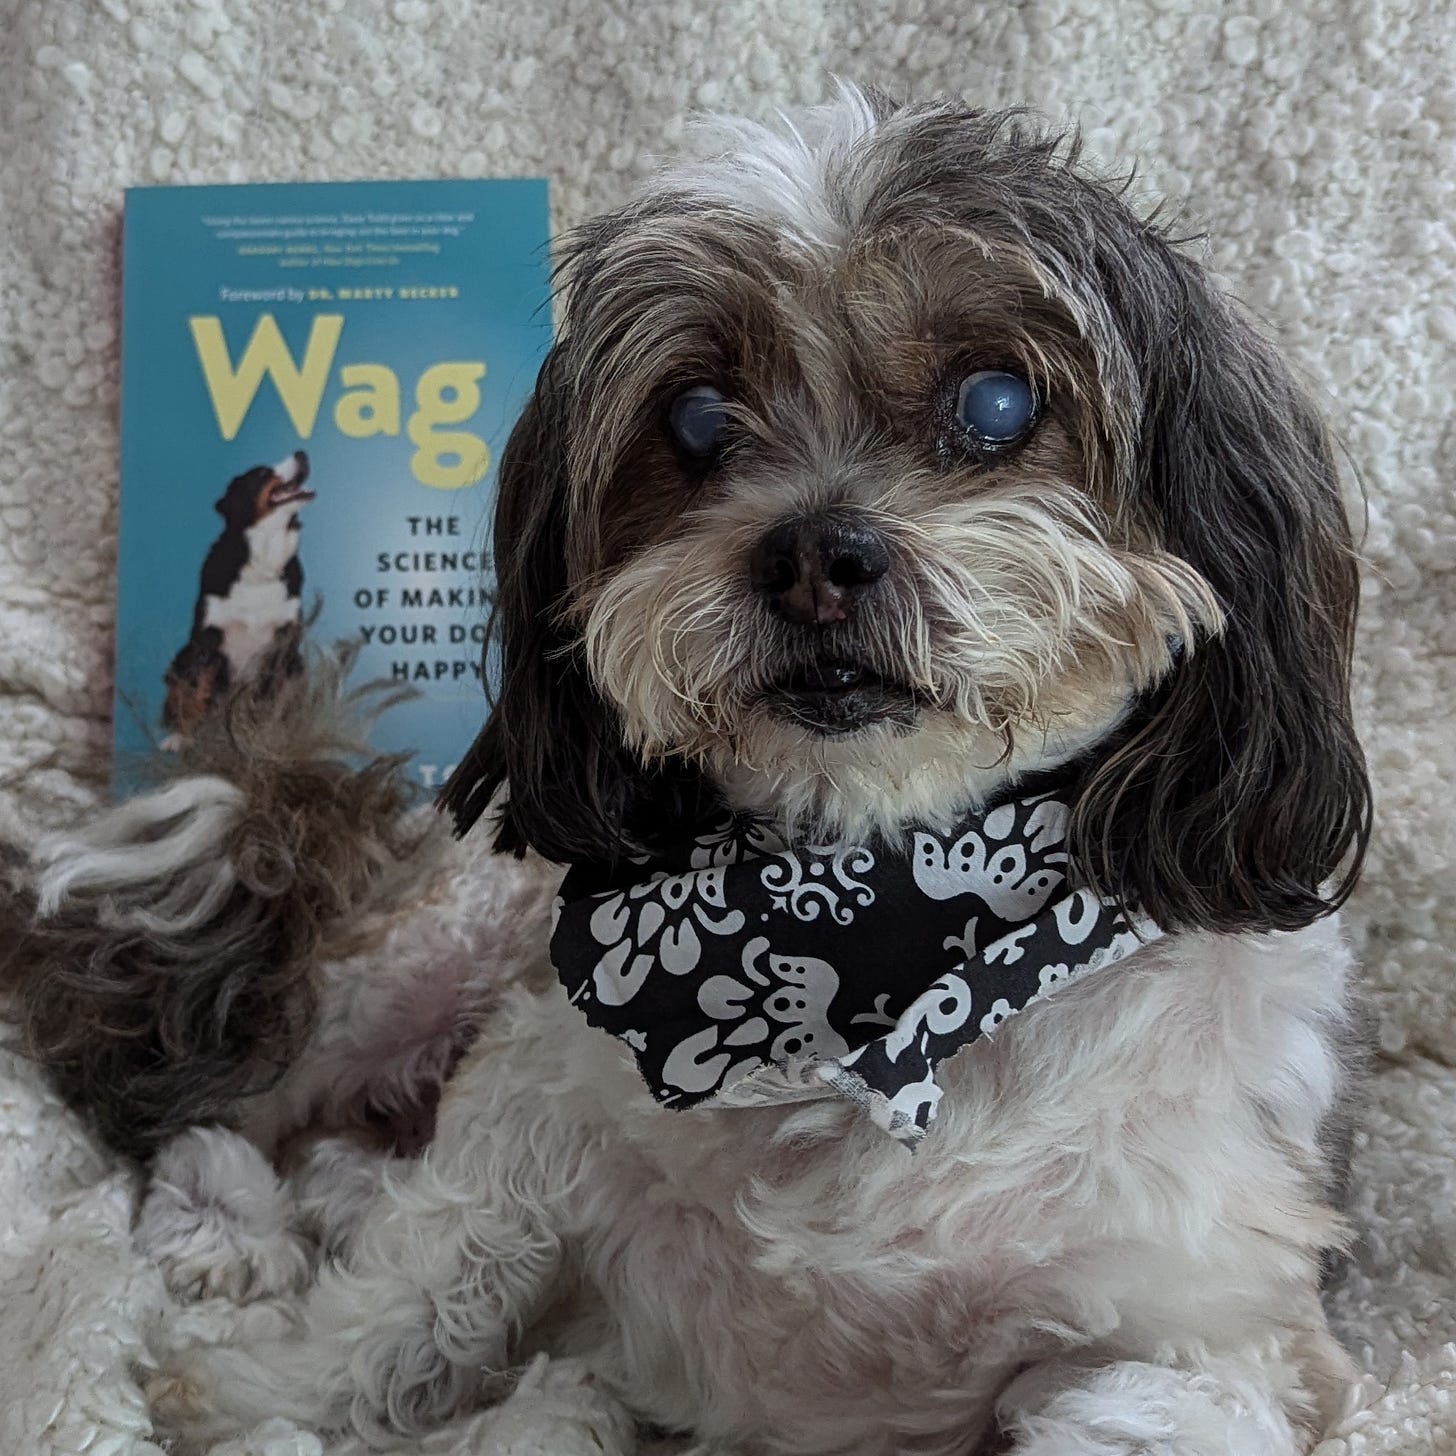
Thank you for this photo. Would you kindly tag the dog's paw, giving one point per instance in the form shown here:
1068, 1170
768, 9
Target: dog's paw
217, 1221
180, 1407
554, 1408
1132, 1408
175, 1400
211, 1393
273, 1438
560, 1406
376, 1377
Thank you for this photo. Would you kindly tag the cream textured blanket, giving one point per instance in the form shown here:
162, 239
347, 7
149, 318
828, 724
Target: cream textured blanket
1314, 139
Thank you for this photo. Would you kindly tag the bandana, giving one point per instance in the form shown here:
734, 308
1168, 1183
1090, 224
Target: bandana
744, 972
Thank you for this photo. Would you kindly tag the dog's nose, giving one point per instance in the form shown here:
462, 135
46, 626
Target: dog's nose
812, 570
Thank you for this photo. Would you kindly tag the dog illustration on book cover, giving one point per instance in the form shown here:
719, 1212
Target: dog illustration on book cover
248, 617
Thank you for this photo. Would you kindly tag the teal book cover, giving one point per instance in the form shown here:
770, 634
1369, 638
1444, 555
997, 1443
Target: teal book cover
317, 382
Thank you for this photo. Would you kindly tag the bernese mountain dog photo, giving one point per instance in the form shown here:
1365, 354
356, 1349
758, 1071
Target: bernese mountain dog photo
248, 614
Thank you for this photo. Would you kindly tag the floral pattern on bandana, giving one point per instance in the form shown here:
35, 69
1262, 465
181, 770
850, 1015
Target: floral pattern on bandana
744, 973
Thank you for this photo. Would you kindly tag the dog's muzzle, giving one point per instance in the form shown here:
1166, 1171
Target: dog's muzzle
816, 575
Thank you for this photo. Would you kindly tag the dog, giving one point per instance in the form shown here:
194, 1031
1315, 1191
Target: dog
889, 465
249, 600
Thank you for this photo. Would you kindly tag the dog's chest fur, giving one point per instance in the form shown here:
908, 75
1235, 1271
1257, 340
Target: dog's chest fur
794, 1271
259, 602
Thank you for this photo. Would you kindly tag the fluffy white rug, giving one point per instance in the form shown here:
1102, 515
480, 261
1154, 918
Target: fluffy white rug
1315, 140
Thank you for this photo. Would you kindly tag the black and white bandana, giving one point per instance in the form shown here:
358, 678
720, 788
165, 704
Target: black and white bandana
743, 972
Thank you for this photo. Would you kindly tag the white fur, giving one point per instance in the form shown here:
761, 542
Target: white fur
780, 173
334, 1179
287, 468
1115, 1177
160, 854
258, 604
396, 1012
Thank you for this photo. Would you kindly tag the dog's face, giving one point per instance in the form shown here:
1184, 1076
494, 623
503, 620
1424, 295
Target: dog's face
886, 460
852, 522
255, 495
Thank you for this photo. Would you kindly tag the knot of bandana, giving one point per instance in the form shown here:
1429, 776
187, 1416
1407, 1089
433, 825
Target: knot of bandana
744, 972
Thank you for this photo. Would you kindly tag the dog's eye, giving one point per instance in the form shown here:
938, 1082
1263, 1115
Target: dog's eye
995, 408
697, 419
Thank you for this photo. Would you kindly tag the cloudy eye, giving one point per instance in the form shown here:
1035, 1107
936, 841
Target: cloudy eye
697, 418
995, 407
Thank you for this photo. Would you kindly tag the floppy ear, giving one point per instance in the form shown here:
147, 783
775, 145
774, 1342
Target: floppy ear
1240, 800
234, 505
574, 791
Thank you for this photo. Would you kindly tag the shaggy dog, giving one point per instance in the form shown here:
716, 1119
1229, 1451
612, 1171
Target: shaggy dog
888, 464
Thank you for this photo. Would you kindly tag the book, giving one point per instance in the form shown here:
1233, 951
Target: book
317, 381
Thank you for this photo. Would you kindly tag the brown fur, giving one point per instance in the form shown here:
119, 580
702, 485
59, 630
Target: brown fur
155, 1008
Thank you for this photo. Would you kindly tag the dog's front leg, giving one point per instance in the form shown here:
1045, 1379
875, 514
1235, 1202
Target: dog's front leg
415, 1323
217, 1221
1260, 1402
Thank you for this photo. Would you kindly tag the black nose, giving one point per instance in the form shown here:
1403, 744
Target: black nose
812, 570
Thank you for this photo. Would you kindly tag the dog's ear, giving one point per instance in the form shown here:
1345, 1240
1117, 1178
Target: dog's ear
1239, 799
235, 504
572, 788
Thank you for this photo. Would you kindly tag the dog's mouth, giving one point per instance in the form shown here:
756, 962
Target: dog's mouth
287, 493
837, 695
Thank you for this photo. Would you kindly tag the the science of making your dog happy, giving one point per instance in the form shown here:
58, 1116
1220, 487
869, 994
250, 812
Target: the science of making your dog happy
317, 380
